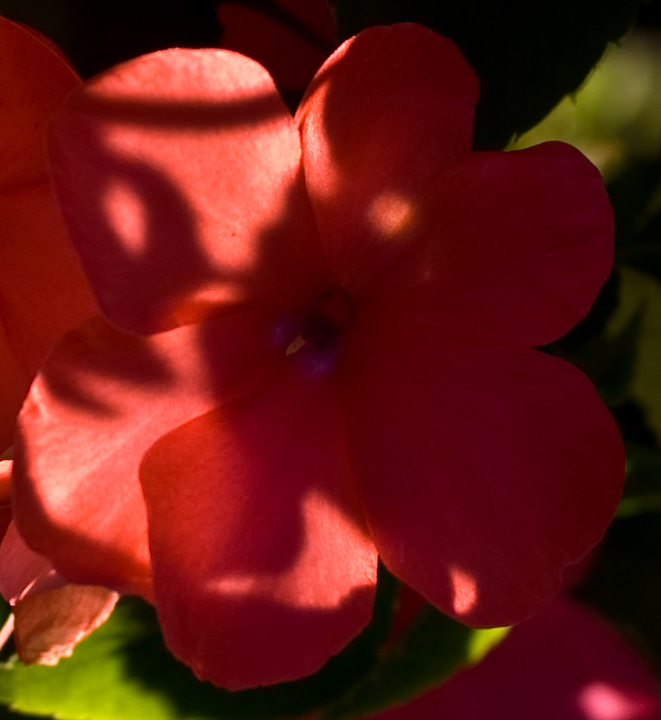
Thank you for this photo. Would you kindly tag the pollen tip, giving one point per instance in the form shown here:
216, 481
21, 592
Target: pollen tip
295, 345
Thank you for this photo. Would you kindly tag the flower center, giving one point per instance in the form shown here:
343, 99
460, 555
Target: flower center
331, 316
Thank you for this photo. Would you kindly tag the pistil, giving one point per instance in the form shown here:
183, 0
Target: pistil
329, 319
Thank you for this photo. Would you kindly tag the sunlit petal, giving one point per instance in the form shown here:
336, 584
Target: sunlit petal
388, 111
101, 400
180, 170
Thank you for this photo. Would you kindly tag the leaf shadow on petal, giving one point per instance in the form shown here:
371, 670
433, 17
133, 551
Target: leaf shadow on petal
97, 357
161, 287
141, 228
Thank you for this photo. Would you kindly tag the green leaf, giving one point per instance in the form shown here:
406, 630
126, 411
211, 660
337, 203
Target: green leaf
640, 304
635, 193
636, 198
124, 671
614, 119
642, 491
527, 55
645, 252
430, 651
632, 193
610, 358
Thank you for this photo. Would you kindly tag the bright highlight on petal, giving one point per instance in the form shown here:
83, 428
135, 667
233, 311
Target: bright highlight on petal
328, 522
464, 590
201, 141
601, 701
127, 217
391, 215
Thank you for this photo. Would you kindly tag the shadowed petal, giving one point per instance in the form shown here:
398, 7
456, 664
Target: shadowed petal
484, 472
23, 571
262, 568
511, 247
179, 177
34, 80
14, 386
43, 292
42, 289
563, 664
385, 114
290, 38
101, 400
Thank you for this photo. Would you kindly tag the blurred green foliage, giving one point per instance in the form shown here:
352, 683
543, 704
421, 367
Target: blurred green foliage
124, 671
615, 118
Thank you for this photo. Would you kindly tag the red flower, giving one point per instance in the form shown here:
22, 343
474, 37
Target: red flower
43, 292
564, 664
319, 350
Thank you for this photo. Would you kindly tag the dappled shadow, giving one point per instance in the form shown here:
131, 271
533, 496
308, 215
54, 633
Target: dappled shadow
135, 224
149, 663
140, 236
186, 115
138, 269
96, 355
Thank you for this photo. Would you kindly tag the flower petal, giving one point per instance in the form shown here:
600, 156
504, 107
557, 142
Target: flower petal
51, 617
385, 114
5, 495
262, 567
99, 403
14, 386
179, 177
510, 247
50, 624
23, 571
484, 471
34, 80
290, 38
42, 290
